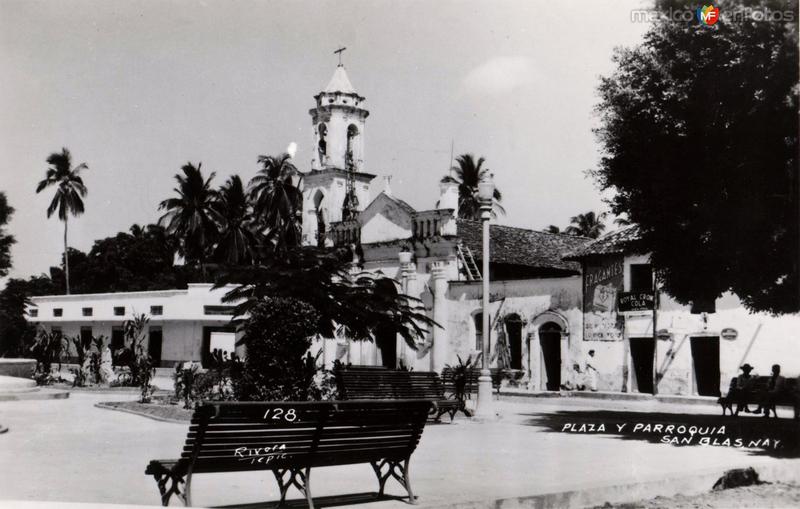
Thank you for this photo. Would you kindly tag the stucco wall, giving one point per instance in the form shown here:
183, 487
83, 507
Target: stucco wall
181, 341
762, 340
535, 301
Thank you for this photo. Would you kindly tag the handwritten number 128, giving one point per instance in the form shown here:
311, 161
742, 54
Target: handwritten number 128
276, 414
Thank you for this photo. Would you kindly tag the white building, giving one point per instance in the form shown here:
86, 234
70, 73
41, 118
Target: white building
185, 325
668, 348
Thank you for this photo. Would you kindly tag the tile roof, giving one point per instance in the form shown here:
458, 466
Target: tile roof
402, 204
618, 241
519, 246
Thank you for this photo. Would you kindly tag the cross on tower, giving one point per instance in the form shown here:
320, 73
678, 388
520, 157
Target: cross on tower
339, 52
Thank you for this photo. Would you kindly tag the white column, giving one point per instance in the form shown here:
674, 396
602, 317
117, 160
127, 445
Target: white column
439, 348
408, 271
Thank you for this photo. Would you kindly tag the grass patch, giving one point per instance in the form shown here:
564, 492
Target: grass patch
160, 412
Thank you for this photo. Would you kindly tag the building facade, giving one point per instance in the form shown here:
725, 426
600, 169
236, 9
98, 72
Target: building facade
646, 342
184, 325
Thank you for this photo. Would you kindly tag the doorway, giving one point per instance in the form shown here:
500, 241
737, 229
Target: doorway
154, 346
643, 357
386, 336
550, 341
705, 357
514, 337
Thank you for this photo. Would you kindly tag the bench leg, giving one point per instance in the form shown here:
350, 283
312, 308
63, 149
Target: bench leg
174, 481
393, 469
297, 478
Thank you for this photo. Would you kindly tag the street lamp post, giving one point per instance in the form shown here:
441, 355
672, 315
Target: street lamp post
485, 405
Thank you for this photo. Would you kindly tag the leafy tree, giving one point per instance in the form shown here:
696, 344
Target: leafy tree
128, 262
236, 241
278, 366
6, 240
277, 203
586, 225
553, 229
467, 174
70, 191
190, 217
699, 126
16, 334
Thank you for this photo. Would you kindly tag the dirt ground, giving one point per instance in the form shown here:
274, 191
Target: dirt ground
777, 495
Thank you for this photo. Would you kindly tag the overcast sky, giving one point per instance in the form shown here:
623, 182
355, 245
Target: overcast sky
137, 88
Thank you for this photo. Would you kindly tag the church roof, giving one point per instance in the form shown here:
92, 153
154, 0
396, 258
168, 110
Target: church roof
340, 82
618, 241
519, 246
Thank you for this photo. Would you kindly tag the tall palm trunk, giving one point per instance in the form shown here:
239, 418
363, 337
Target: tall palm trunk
66, 254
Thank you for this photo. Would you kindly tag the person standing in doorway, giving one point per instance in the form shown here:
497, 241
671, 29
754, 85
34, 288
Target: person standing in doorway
591, 372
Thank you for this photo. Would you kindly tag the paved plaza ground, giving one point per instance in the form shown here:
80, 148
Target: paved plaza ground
69, 450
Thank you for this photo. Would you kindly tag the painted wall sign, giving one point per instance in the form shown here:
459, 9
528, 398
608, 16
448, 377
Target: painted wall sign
729, 333
602, 281
636, 301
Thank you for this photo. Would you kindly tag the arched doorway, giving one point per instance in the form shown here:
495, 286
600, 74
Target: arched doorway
550, 343
386, 337
319, 212
514, 338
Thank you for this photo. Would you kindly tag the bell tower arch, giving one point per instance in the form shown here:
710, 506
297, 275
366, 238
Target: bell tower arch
337, 161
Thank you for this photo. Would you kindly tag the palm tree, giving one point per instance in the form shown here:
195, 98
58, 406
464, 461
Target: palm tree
277, 202
70, 191
236, 239
623, 221
191, 217
587, 225
467, 174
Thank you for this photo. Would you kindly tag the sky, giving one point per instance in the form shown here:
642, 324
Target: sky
135, 89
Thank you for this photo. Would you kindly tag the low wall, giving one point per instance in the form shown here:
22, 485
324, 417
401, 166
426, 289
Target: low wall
22, 368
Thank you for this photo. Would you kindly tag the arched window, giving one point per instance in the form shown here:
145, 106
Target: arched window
322, 144
319, 209
513, 326
352, 133
478, 320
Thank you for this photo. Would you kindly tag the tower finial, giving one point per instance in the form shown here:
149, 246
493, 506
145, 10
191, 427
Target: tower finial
339, 52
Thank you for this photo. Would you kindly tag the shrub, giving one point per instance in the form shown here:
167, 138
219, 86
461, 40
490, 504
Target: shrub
96, 359
83, 348
278, 366
184, 378
135, 358
461, 376
47, 349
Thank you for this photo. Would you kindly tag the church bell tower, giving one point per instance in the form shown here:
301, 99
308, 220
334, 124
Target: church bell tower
337, 187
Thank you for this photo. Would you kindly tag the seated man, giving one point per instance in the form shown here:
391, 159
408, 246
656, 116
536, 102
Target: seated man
773, 392
744, 384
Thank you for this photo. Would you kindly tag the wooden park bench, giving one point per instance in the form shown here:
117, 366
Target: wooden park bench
367, 382
755, 395
291, 438
472, 380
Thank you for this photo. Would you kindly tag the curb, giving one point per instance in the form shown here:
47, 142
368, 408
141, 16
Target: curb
614, 396
24, 396
695, 483
110, 406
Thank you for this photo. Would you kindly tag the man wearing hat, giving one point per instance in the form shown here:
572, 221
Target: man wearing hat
744, 384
